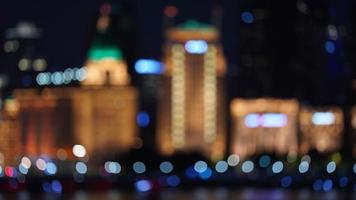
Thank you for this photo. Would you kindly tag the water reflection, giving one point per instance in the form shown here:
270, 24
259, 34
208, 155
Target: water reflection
194, 194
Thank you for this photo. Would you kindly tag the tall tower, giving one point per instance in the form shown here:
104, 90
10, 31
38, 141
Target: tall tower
191, 109
105, 106
105, 64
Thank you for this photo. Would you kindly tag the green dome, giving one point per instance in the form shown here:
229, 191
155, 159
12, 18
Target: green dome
103, 52
104, 46
194, 24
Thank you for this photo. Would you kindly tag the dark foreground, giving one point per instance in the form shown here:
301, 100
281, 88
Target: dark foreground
196, 194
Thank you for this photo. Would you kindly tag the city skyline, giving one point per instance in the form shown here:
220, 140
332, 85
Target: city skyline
149, 96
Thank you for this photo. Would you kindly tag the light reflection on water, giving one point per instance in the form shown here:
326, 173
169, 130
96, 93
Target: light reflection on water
195, 194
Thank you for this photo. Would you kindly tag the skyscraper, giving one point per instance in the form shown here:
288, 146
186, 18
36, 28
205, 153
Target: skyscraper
191, 107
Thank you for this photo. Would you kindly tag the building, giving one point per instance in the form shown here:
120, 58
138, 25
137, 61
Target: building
322, 129
10, 147
100, 114
22, 57
264, 126
36, 119
266, 47
192, 103
102, 119
352, 136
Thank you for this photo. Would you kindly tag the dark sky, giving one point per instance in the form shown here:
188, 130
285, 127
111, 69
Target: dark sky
65, 24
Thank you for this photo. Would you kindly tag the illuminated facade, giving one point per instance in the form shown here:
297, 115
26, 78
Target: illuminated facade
264, 125
100, 114
105, 64
106, 67
10, 148
321, 129
191, 106
104, 119
353, 133
100, 118
35, 116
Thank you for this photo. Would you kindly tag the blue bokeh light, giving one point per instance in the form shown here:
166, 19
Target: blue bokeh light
46, 186
318, 184
277, 167
51, 168
148, 66
143, 186
173, 181
221, 166
331, 167
191, 173
56, 186
286, 181
247, 17
139, 167
206, 174
303, 167
200, 166
81, 167
143, 119
330, 47
327, 185
343, 181
264, 161
247, 166
166, 167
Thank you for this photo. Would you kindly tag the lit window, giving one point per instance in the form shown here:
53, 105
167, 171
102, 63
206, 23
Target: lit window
323, 118
273, 120
196, 46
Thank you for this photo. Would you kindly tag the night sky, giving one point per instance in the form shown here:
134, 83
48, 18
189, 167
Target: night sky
65, 24
299, 66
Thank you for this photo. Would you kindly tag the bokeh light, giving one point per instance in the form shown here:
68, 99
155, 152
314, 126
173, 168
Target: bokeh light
233, 160
139, 167
143, 186
41, 164
166, 167
247, 166
79, 150
247, 17
264, 161
277, 167
81, 167
331, 167
200, 166
221, 166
